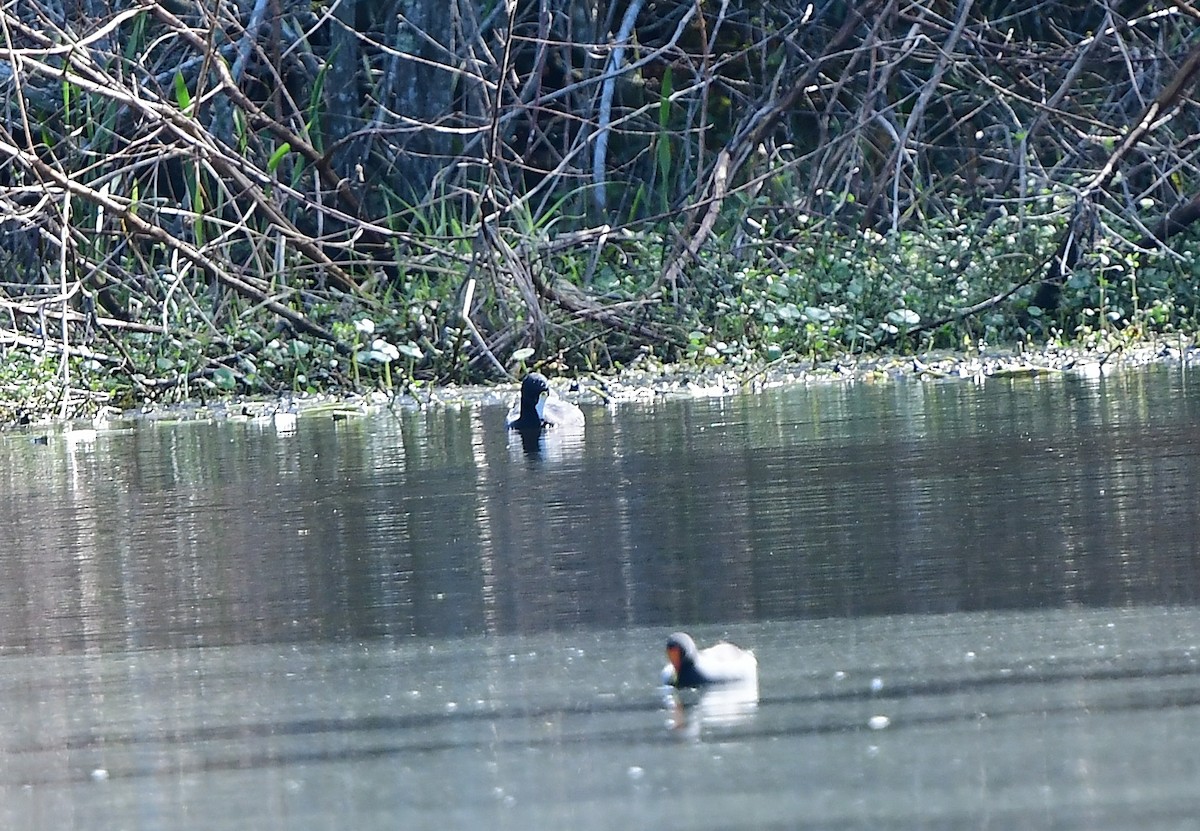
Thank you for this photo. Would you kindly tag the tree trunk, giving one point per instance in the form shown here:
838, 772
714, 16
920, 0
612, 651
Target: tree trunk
343, 97
421, 91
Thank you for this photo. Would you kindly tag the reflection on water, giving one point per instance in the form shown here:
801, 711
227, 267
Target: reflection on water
972, 605
847, 500
692, 711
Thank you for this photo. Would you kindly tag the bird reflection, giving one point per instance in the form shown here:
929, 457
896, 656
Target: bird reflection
557, 445
531, 441
692, 711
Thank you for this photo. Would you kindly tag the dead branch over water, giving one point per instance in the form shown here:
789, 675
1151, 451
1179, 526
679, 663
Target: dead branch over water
174, 172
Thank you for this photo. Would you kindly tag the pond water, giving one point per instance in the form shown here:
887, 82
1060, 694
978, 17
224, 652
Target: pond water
974, 605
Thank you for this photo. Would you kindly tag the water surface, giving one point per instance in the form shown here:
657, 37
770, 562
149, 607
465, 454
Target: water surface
974, 606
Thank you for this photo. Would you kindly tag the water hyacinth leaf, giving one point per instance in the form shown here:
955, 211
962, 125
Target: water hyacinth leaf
903, 317
523, 354
164, 364
817, 315
789, 312
385, 352
223, 377
410, 350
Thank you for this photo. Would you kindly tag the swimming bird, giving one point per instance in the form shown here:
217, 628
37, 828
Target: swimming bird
722, 663
538, 408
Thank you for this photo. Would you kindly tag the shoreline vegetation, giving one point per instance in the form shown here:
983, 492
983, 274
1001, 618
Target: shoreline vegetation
653, 381
365, 200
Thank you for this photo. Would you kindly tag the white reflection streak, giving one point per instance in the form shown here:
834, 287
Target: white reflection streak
81, 457
487, 553
623, 516
691, 711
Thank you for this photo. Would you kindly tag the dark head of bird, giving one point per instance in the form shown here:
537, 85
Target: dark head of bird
535, 389
682, 652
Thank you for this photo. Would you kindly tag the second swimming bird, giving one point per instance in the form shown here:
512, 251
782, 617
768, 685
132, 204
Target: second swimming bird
722, 663
539, 408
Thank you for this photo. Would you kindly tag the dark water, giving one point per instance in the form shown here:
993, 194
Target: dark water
973, 606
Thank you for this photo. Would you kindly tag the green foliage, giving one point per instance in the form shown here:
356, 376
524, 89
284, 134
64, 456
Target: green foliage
824, 292
182, 96
278, 156
30, 385
1137, 294
854, 212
